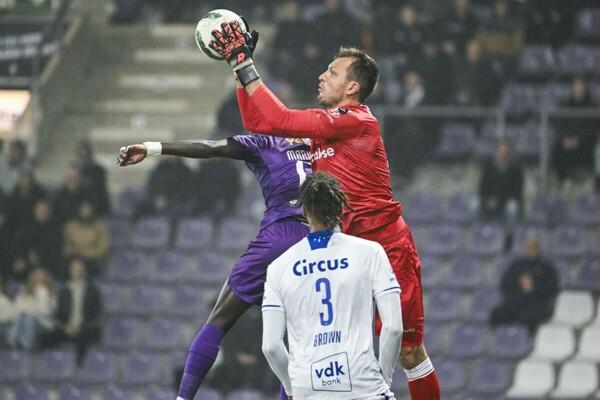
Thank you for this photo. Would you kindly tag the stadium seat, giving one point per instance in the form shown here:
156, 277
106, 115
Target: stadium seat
585, 210
452, 375
536, 60
576, 60
588, 23
553, 343
568, 241
114, 297
141, 369
162, 334
171, 266
99, 367
533, 379
548, 210
128, 201
522, 232
527, 143
467, 341
444, 240
161, 393
482, 304
461, 208
444, 305
28, 391
490, 377
554, 94
71, 392
122, 333
243, 394
213, 268
588, 276
113, 392
458, 141
119, 230
573, 308
588, 349
423, 207
151, 233
148, 300
436, 339
208, 394
510, 342
129, 265
576, 380
486, 240
236, 233
518, 99
193, 234
188, 302
466, 272
433, 272
55, 365
20, 366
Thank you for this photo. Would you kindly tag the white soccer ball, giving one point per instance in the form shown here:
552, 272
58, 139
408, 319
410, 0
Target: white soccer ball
209, 23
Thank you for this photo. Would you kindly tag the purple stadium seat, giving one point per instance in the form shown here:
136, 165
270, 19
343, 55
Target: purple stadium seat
208, 394
71, 392
141, 369
482, 304
466, 272
114, 297
236, 233
433, 272
510, 342
20, 366
114, 392
160, 393
588, 277
519, 98
151, 233
586, 210
436, 338
122, 333
444, 240
522, 232
171, 266
527, 142
490, 377
467, 341
452, 375
55, 366
568, 241
458, 141
588, 23
486, 240
460, 208
423, 208
148, 300
128, 201
243, 394
119, 230
399, 383
188, 302
214, 268
162, 334
536, 60
98, 368
575, 60
32, 392
444, 305
549, 210
129, 265
193, 233
553, 94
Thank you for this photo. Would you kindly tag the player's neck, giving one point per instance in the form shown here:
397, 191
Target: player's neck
318, 227
346, 103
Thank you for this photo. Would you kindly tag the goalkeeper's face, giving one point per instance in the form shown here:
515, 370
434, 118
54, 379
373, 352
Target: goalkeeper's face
334, 87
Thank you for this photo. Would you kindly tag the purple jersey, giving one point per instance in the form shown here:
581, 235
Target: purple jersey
280, 166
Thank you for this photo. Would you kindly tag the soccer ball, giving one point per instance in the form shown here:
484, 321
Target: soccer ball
210, 22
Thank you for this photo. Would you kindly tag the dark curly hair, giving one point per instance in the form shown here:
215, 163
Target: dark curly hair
322, 197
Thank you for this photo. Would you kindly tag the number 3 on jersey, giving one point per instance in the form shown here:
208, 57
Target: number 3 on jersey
326, 317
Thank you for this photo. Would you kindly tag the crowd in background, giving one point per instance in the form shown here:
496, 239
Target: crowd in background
53, 245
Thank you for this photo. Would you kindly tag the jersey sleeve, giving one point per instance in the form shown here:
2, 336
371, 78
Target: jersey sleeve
250, 145
272, 299
252, 119
311, 123
383, 277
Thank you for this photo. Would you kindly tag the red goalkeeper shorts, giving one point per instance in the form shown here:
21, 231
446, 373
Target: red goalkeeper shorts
398, 243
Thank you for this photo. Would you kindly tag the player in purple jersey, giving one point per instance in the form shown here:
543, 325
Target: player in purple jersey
280, 166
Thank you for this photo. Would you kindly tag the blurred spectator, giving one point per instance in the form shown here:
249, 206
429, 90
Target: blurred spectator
213, 197
436, 66
93, 177
20, 203
7, 314
573, 149
291, 32
43, 240
476, 74
126, 11
397, 33
549, 21
13, 165
6, 248
332, 28
597, 164
501, 185
78, 314
20, 268
70, 196
229, 121
414, 90
503, 36
87, 237
34, 306
460, 24
169, 188
529, 287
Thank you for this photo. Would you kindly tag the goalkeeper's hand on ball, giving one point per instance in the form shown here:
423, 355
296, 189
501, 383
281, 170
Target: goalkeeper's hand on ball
236, 47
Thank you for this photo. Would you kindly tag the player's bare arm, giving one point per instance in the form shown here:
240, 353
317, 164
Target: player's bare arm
200, 148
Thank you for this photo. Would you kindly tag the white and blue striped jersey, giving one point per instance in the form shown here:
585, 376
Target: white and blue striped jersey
326, 285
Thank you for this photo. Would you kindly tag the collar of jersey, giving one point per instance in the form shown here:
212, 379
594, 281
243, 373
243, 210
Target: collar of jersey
319, 239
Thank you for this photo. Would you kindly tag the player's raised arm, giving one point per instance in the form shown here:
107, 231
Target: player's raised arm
201, 148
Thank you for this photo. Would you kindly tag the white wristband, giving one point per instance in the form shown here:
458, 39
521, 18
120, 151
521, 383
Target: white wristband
153, 149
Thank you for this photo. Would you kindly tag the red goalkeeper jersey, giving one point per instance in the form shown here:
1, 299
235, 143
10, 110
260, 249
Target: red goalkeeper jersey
346, 143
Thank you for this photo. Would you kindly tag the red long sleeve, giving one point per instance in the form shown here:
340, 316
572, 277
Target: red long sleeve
251, 118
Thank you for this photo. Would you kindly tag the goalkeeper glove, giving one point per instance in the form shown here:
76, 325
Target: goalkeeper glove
236, 47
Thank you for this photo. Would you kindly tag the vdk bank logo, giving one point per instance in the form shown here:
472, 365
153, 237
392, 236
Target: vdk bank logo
331, 374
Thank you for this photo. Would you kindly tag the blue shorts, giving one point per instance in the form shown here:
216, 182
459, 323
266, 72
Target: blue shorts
247, 278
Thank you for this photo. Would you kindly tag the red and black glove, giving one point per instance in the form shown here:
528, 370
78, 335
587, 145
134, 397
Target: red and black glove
236, 47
